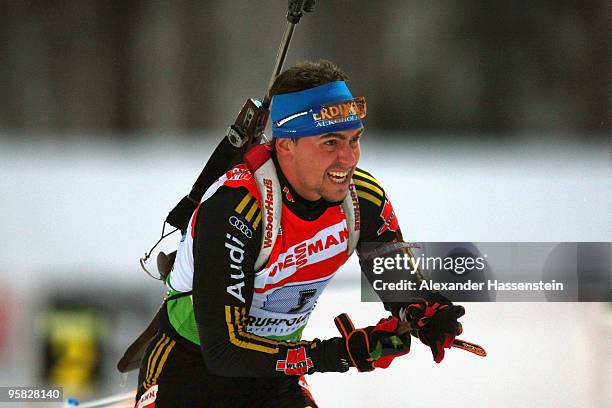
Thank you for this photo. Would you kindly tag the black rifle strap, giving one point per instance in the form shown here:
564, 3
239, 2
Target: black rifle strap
132, 357
222, 159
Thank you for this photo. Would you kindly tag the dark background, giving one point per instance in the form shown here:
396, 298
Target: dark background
123, 66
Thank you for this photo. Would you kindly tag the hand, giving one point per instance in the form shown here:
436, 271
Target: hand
434, 321
374, 346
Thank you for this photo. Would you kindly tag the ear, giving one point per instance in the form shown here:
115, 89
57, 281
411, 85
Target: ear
284, 146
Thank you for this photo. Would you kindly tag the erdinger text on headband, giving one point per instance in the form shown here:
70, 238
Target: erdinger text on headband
316, 111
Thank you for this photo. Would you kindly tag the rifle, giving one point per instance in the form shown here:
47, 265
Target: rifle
246, 131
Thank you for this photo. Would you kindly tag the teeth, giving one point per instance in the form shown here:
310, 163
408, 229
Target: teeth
338, 176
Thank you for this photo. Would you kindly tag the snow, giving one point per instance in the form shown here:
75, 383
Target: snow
88, 207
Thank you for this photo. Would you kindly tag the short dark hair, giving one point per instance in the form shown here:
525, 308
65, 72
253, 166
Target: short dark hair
306, 75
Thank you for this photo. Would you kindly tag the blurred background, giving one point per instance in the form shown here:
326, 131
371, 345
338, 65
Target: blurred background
486, 122
124, 67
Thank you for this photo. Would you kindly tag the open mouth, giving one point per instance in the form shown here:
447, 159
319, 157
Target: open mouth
338, 177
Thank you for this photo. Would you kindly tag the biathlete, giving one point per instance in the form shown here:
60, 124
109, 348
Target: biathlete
266, 239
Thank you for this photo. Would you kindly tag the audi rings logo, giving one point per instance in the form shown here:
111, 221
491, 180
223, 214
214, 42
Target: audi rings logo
240, 226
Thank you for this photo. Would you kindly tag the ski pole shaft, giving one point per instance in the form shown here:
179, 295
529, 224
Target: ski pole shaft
126, 397
457, 343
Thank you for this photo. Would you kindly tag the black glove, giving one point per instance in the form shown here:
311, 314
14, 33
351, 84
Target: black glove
434, 321
374, 346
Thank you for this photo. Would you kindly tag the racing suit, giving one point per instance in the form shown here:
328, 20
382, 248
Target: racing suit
236, 340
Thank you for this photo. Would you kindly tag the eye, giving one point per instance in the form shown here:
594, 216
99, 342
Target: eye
330, 142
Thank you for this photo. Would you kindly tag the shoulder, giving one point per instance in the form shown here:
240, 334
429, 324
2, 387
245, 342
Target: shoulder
237, 177
234, 203
369, 189
378, 219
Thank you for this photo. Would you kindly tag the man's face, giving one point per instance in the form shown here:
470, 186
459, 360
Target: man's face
321, 166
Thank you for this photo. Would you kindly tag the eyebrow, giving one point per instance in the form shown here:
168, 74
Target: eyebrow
339, 135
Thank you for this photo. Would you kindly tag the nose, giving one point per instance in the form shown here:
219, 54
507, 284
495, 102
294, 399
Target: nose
348, 155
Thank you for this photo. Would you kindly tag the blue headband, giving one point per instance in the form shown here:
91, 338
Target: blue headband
303, 113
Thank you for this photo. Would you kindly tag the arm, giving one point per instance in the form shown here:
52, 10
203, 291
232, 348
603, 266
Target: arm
380, 235
224, 255
433, 316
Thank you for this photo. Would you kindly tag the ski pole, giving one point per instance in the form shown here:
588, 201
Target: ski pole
126, 397
457, 343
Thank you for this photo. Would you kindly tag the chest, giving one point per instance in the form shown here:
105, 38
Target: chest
305, 251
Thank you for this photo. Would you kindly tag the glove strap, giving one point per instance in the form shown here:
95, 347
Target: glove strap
344, 324
353, 337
